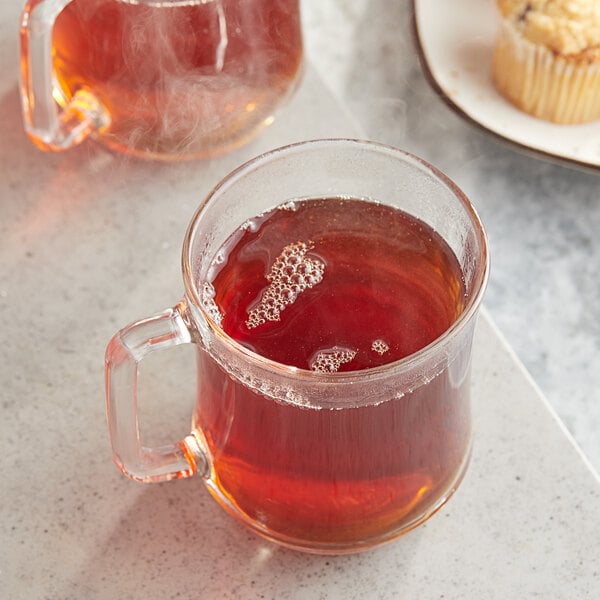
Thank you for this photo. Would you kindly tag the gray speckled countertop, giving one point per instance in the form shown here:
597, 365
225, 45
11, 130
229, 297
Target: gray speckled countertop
90, 241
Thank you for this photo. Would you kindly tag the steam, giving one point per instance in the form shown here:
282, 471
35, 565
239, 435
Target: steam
186, 76
167, 3
222, 45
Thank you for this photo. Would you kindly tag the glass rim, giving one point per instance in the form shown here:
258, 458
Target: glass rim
403, 364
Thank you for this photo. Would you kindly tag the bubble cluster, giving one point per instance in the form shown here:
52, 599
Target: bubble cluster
291, 205
252, 225
291, 274
380, 346
330, 359
207, 298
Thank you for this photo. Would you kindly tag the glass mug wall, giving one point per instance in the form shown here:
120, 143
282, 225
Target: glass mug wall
165, 79
331, 290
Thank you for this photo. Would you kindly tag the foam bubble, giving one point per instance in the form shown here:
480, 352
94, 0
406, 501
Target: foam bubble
251, 225
220, 257
380, 346
291, 274
329, 360
207, 298
292, 205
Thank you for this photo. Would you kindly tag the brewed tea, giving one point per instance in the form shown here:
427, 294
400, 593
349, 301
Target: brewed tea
194, 77
332, 285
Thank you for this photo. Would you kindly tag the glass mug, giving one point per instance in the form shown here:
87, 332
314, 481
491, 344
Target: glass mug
337, 455
165, 79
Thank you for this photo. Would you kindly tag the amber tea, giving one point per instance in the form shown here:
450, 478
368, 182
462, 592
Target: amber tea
191, 78
333, 285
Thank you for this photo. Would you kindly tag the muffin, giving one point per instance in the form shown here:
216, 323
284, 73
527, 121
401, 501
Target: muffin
547, 58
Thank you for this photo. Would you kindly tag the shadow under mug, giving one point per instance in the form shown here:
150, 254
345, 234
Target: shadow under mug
162, 79
321, 462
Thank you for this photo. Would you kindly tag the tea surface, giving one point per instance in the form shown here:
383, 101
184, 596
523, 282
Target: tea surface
336, 285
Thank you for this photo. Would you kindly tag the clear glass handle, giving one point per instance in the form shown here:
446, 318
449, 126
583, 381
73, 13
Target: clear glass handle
51, 121
125, 350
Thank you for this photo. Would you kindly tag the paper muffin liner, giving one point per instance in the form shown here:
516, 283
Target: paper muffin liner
543, 84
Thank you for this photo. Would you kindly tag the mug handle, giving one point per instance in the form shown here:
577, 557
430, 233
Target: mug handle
123, 353
52, 121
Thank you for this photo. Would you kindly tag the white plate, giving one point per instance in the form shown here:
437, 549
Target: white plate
457, 39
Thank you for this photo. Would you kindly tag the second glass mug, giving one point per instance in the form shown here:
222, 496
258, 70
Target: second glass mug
165, 79
324, 462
